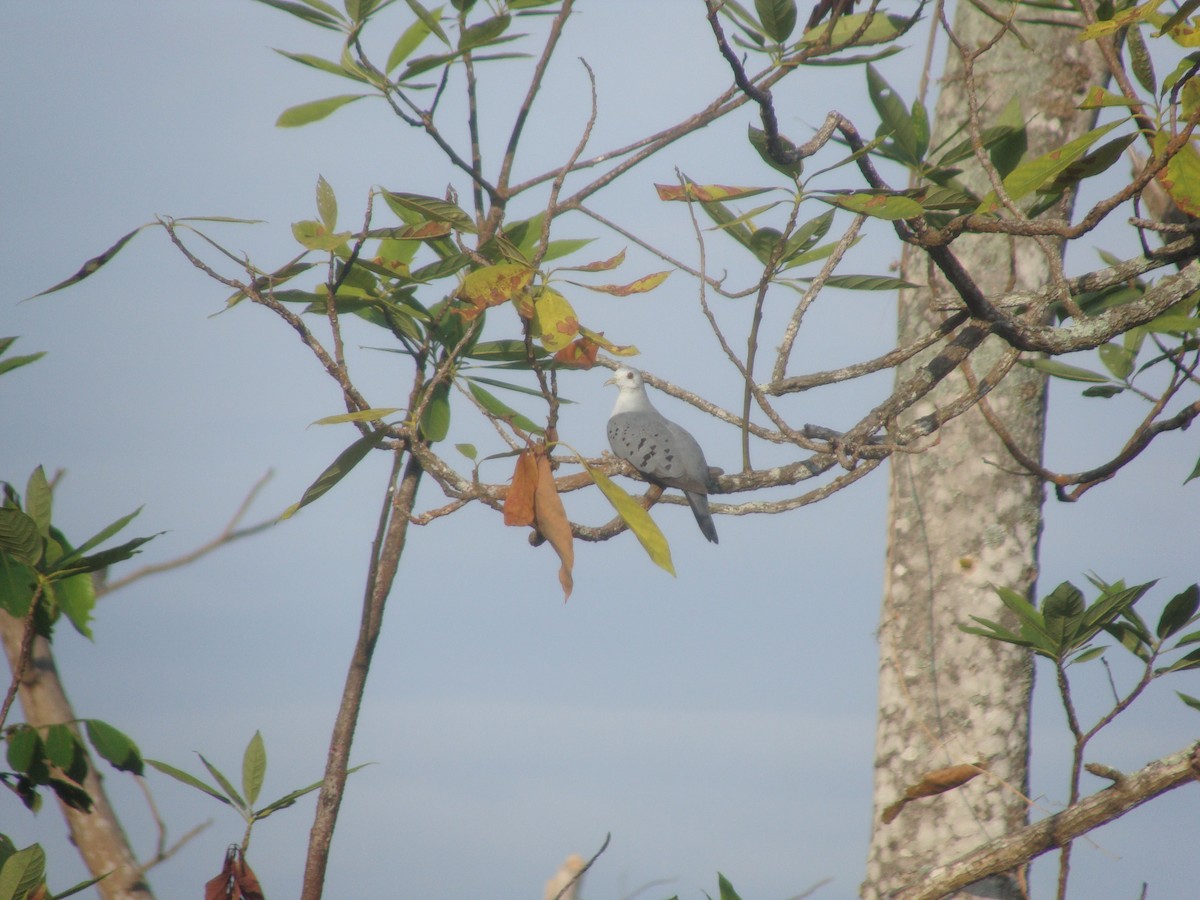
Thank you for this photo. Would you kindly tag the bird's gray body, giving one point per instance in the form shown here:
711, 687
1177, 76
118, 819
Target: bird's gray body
658, 448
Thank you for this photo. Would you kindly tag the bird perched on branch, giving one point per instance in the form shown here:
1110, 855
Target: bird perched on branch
658, 448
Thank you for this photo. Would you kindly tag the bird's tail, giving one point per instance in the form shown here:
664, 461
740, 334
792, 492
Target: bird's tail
699, 505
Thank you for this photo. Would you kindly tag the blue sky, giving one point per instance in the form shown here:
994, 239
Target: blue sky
721, 720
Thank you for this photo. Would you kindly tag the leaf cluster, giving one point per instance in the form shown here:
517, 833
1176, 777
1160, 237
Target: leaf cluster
56, 758
254, 771
1063, 627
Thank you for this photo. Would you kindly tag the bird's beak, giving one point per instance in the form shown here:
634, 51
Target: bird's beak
612, 380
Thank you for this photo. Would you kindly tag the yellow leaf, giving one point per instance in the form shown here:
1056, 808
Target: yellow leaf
493, 285
1181, 177
554, 321
705, 192
641, 286
614, 349
363, 415
635, 516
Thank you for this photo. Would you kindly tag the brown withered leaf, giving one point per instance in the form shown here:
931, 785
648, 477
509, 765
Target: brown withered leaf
934, 782
519, 502
553, 523
579, 354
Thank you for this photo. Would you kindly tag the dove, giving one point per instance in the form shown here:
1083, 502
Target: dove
658, 448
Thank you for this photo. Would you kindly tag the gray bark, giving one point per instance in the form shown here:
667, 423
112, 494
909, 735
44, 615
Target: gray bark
961, 515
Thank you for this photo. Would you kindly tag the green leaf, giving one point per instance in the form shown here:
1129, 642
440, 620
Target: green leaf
65, 751
362, 415
313, 111
1103, 390
1028, 177
877, 204
868, 283
97, 539
635, 516
778, 18
501, 410
92, 265
76, 597
15, 362
483, 33
310, 11
19, 536
467, 450
726, 889
1064, 371
23, 873
25, 750
435, 420
1195, 472
1116, 359
1190, 701
326, 204
430, 20
38, 500
114, 746
324, 65
254, 768
314, 236
758, 140
289, 799
102, 560
1191, 661
1179, 612
226, 785
1062, 614
1032, 624
434, 210
896, 121
337, 470
1088, 655
409, 41
189, 780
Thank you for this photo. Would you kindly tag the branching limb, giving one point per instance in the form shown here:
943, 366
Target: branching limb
1028, 843
230, 533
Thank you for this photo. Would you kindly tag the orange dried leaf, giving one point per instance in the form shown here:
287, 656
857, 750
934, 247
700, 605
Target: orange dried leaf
579, 354
940, 780
935, 782
705, 192
641, 286
603, 265
518, 503
553, 523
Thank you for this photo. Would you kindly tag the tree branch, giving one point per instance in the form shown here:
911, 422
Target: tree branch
1028, 843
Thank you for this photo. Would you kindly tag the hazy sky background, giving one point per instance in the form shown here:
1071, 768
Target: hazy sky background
721, 720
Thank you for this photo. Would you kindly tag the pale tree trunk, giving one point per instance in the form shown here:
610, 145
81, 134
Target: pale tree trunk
97, 835
962, 516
